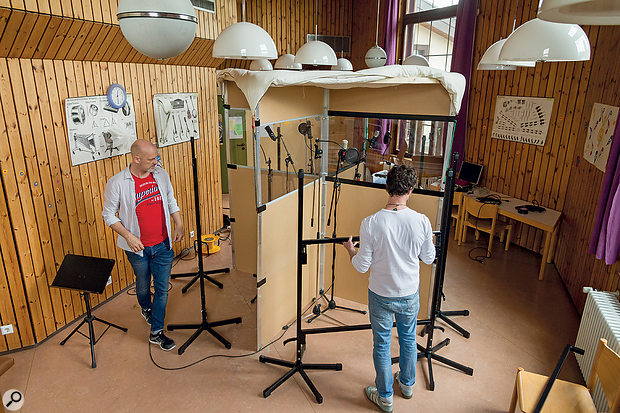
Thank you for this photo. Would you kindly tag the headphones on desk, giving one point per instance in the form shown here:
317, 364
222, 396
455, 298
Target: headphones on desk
534, 207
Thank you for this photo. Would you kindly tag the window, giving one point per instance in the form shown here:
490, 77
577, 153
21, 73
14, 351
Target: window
204, 5
428, 30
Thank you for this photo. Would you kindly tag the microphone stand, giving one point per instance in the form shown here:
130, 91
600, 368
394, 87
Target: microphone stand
331, 303
287, 160
204, 325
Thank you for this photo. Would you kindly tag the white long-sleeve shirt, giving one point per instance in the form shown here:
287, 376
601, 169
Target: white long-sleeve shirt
392, 243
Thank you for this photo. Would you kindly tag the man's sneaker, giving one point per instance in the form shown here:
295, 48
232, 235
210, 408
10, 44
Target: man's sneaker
381, 402
407, 391
147, 315
164, 342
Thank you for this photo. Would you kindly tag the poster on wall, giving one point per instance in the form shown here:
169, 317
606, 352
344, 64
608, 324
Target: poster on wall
176, 117
98, 131
522, 119
600, 133
235, 127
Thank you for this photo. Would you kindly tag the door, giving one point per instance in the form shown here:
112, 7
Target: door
237, 136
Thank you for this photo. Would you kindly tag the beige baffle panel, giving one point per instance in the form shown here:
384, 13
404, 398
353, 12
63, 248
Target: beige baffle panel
277, 303
356, 203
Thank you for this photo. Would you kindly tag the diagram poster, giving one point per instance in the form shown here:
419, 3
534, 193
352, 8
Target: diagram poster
176, 117
96, 130
522, 119
600, 133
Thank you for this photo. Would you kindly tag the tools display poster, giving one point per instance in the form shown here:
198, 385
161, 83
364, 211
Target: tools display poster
176, 117
98, 131
600, 134
522, 119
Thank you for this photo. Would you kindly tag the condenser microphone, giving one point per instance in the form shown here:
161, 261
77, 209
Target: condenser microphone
345, 144
270, 133
372, 141
387, 137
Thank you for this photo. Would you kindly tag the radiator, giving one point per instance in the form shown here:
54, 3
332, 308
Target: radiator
600, 319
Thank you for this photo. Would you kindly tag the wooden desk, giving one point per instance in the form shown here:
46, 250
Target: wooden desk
547, 221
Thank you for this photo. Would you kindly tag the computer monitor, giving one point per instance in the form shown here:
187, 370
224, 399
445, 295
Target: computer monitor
470, 173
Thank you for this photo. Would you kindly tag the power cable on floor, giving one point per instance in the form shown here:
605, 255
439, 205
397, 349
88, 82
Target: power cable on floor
285, 328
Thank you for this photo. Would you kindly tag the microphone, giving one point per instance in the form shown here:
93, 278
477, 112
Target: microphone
372, 141
309, 129
345, 144
387, 137
270, 133
350, 155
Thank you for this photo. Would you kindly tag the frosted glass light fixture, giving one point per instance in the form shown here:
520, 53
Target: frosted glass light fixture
415, 60
376, 56
590, 12
244, 40
261, 65
542, 41
491, 61
160, 29
316, 52
287, 61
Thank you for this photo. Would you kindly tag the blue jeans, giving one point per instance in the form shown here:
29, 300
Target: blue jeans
155, 261
382, 311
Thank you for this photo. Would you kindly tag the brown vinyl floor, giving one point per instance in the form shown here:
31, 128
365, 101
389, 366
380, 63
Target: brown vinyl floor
515, 320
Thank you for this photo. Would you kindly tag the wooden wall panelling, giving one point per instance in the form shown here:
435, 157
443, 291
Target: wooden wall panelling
16, 309
31, 190
20, 203
65, 201
43, 188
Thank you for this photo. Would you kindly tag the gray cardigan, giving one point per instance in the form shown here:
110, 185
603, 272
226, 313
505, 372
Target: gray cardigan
120, 197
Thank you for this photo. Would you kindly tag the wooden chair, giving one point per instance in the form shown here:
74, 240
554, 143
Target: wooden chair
483, 217
566, 397
457, 203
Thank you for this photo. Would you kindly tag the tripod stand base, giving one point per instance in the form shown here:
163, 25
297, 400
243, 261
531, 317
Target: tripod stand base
331, 305
196, 277
443, 315
430, 354
204, 326
91, 333
297, 367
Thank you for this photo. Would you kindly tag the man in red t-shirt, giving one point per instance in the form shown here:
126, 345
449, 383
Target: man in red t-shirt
143, 198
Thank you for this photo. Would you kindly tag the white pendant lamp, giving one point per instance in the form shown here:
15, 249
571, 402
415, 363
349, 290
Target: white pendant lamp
261, 65
316, 52
590, 12
376, 56
343, 65
491, 61
541, 41
415, 60
244, 40
158, 28
287, 62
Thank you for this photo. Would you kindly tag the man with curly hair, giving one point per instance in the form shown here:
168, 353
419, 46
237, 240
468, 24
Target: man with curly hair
392, 243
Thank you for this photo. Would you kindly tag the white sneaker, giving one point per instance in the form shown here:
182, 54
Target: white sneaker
381, 402
407, 391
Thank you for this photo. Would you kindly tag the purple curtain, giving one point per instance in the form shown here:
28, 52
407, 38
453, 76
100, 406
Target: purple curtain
462, 62
605, 239
389, 45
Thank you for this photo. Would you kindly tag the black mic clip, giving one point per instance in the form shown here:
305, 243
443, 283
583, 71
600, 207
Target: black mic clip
318, 152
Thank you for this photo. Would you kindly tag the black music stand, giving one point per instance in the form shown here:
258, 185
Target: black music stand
86, 275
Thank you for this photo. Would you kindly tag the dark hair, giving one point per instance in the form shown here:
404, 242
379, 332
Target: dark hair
400, 180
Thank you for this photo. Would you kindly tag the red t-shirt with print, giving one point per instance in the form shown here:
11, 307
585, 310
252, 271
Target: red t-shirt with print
150, 211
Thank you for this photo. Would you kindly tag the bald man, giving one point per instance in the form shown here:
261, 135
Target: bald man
143, 198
